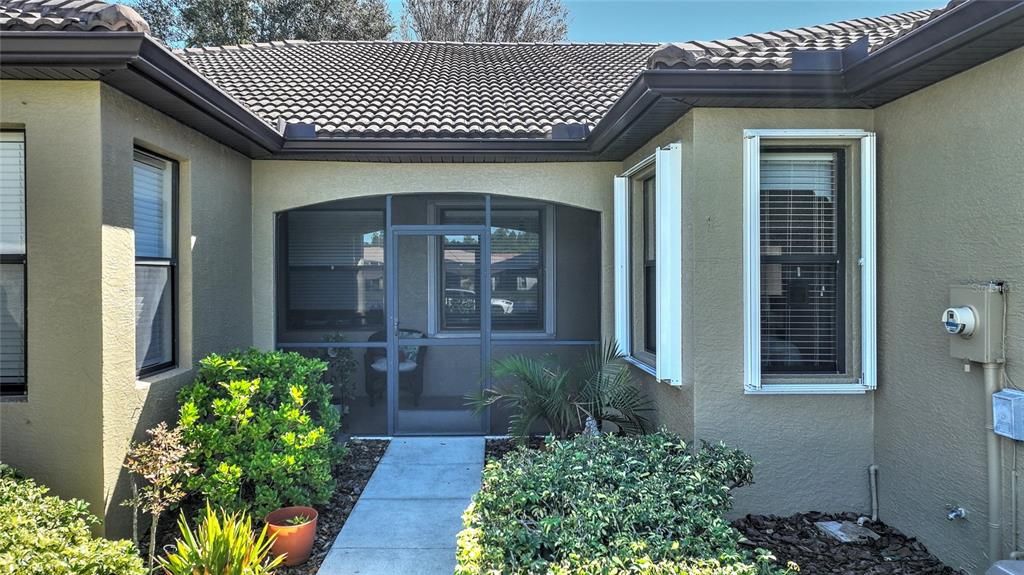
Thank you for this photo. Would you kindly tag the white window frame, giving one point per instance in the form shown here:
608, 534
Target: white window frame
434, 271
752, 380
667, 162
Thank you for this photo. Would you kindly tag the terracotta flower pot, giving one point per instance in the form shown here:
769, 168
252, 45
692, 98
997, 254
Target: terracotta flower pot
293, 541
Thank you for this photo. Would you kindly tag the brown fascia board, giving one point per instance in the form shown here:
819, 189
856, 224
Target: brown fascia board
58, 49
965, 24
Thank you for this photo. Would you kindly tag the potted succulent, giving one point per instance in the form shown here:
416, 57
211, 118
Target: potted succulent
294, 531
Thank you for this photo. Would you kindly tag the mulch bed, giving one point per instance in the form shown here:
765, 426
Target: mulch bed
352, 475
797, 539
498, 448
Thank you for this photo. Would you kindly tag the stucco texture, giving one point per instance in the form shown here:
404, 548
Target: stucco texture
951, 211
214, 270
55, 434
811, 452
84, 403
284, 185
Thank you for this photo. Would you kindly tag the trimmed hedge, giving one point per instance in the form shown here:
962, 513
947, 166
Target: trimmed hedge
261, 426
45, 535
607, 504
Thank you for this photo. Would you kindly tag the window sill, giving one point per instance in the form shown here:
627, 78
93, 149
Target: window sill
145, 381
14, 398
808, 389
649, 370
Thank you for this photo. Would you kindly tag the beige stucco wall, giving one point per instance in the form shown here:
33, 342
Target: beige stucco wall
951, 210
214, 299
811, 452
84, 404
55, 434
283, 185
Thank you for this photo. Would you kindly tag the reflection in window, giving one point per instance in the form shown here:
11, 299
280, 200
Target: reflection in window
517, 271
335, 263
12, 262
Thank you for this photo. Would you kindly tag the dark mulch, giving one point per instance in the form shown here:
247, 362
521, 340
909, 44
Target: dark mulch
797, 539
352, 475
498, 448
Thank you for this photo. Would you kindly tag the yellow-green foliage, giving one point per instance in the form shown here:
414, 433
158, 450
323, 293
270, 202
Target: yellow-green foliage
45, 535
609, 505
222, 545
261, 426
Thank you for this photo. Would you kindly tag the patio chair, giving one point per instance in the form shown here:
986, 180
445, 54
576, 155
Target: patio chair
410, 366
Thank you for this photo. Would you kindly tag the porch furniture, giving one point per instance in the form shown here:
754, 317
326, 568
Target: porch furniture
410, 366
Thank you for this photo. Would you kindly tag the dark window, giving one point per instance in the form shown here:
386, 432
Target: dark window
335, 269
155, 191
650, 268
13, 263
802, 282
518, 288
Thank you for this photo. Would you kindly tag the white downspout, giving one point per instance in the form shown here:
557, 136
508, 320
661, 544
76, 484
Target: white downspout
873, 475
995, 465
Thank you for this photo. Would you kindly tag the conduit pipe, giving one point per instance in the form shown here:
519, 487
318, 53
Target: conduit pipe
873, 475
995, 465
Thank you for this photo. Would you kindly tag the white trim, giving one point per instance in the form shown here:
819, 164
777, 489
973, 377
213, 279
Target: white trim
620, 218
752, 382
669, 273
641, 366
640, 166
869, 267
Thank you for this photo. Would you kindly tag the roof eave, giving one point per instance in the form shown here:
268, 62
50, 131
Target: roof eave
64, 49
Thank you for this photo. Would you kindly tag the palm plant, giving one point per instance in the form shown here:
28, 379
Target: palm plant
223, 544
602, 388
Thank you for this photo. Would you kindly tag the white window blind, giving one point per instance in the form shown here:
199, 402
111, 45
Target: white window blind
155, 265
12, 263
12, 193
801, 257
335, 269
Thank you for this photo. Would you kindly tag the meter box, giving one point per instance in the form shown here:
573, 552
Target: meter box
974, 322
1008, 413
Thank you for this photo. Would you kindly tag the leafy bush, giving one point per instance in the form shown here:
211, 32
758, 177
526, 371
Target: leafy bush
601, 388
222, 545
262, 429
45, 535
608, 504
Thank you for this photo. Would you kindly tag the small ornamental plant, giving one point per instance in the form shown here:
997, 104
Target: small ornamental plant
160, 463
45, 535
607, 504
262, 426
222, 544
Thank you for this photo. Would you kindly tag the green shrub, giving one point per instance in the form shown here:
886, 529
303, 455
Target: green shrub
608, 504
224, 544
45, 535
262, 429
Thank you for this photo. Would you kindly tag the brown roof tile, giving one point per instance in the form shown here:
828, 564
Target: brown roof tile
429, 89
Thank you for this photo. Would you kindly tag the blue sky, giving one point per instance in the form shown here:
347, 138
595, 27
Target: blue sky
678, 20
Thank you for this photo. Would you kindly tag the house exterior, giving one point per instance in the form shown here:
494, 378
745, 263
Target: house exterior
769, 225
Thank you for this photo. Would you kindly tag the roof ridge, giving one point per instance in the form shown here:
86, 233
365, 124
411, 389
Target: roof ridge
70, 14
296, 42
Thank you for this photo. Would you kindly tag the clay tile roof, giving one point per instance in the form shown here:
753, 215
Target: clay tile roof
78, 15
774, 50
425, 89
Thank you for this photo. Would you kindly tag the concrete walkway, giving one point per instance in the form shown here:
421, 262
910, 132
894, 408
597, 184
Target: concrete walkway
407, 518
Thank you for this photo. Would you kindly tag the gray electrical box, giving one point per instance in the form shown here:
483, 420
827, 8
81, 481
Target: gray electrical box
974, 321
1008, 413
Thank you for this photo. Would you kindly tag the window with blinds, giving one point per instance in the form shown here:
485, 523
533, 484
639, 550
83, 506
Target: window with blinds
12, 263
802, 280
335, 263
154, 181
518, 281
